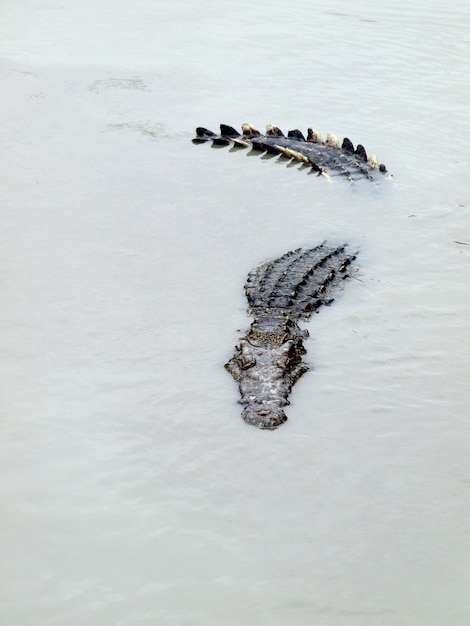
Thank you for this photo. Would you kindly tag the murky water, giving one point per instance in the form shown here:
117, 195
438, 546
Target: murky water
132, 491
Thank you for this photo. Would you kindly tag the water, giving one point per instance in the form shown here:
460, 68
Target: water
132, 491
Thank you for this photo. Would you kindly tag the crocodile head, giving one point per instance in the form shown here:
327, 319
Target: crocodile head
265, 373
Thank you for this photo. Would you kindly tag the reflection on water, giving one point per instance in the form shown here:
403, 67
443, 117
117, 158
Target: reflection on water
133, 492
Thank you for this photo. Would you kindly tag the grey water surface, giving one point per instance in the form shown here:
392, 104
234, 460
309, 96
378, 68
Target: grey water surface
132, 492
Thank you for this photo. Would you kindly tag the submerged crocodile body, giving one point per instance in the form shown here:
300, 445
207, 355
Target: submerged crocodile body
268, 359
330, 157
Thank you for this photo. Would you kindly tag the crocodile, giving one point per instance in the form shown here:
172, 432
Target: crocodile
268, 359
328, 158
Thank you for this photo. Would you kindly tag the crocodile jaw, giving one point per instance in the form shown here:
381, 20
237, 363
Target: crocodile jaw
264, 416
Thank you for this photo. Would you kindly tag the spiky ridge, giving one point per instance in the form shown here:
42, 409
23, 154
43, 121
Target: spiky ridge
300, 281
326, 157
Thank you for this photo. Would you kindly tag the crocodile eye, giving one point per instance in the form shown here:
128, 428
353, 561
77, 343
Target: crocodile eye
245, 358
245, 361
286, 354
282, 362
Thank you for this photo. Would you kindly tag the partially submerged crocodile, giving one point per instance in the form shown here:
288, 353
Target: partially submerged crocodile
329, 157
268, 359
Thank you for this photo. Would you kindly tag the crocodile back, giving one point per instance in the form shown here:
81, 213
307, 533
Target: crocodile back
299, 282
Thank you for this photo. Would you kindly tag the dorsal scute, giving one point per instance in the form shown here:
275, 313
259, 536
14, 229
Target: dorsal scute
228, 131
300, 281
361, 152
347, 145
333, 141
273, 131
330, 157
296, 134
314, 136
250, 131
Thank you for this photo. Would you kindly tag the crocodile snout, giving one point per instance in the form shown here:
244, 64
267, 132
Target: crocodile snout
264, 416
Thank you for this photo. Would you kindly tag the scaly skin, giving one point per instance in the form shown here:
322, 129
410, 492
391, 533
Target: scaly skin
268, 359
266, 365
329, 157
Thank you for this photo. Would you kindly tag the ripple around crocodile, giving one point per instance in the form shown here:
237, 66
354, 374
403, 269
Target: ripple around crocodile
328, 158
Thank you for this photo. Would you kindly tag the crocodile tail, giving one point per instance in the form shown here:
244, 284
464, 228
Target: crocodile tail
300, 281
327, 157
